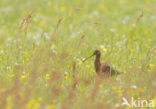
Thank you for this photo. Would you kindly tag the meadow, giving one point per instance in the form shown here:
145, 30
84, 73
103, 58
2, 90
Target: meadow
43, 43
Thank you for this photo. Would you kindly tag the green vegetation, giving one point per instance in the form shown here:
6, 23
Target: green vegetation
43, 43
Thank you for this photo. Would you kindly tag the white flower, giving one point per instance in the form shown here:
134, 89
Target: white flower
95, 13
102, 46
134, 86
124, 21
65, 73
83, 59
152, 17
46, 36
8, 67
20, 47
16, 63
133, 25
54, 51
74, 34
112, 30
9, 39
2, 51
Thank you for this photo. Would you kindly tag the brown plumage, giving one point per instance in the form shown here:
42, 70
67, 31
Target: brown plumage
102, 68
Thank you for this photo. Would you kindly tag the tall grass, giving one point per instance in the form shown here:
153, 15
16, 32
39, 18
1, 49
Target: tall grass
42, 48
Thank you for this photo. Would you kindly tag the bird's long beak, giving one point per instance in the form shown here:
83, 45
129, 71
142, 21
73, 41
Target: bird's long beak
88, 58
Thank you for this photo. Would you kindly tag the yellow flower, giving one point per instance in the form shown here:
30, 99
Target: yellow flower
113, 66
39, 99
79, 63
130, 66
12, 75
119, 92
87, 95
100, 86
119, 69
131, 50
26, 53
23, 77
32, 104
47, 76
87, 66
146, 32
27, 59
151, 65
103, 48
149, 70
66, 76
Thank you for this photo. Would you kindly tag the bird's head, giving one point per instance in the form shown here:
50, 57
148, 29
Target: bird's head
96, 52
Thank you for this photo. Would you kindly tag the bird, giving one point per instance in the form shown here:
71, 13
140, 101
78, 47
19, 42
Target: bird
102, 68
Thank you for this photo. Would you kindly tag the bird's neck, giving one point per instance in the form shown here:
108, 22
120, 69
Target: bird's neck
97, 63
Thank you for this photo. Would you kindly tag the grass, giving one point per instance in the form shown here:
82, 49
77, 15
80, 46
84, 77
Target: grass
41, 58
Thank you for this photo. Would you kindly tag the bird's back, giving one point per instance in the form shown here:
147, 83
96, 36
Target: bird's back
108, 70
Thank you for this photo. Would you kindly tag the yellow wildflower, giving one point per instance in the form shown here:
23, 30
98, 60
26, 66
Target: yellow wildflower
113, 66
131, 50
149, 70
87, 66
119, 69
79, 63
66, 76
47, 76
100, 86
103, 48
130, 66
12, 75
23, 76
146, 32
39, 99
87, 95
32, 104
26, 53
119, 92
151, 65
